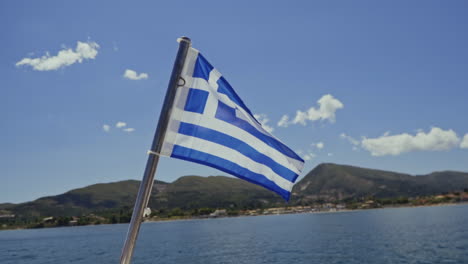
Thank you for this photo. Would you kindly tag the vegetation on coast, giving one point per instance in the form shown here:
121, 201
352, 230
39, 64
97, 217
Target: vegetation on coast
328, 187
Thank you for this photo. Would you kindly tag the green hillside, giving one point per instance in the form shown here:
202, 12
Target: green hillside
331, 182
186, 193
190, 192
327, 182
84, 200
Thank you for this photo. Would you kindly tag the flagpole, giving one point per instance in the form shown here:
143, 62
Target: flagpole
146, 184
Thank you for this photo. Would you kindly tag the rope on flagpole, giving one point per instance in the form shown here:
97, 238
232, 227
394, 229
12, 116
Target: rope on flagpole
150, 152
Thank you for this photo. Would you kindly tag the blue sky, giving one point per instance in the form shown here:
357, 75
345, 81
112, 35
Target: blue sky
399, 70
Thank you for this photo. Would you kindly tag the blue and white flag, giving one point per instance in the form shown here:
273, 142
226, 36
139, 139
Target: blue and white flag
211, 125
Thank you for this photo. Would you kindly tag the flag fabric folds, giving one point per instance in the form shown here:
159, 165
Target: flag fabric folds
210, 125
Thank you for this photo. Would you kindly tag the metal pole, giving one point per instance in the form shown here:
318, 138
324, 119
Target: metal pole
146, 184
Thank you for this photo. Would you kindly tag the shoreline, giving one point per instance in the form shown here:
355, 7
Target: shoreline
163, 220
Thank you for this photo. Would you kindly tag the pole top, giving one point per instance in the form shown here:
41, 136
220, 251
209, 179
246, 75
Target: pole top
184, 39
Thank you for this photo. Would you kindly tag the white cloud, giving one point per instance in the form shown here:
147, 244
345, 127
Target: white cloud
129, 129
133, 75
320, 145
106, 128
65, 57
464, 143
284, 121
263, 119
120, 124
350, 139
435, 140
330, 154
328, 105
308, 156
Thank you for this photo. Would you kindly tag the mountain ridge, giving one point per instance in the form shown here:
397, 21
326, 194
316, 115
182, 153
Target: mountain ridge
327, 182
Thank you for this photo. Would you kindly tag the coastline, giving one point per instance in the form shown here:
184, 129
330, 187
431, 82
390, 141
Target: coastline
315, 212
191, 218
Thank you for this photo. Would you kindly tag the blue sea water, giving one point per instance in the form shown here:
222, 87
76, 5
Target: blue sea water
401, 235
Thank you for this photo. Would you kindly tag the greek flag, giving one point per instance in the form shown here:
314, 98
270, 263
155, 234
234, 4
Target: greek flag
211, 125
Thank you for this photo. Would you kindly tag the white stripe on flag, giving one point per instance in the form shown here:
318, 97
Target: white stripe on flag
236, 132
202, 84
234, 156
213, 79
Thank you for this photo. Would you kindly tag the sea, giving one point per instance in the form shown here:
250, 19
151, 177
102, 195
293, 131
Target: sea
437, 234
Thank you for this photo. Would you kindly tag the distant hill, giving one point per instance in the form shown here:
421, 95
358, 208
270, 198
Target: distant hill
187, 192
84, 200
191, 192
326, 182
331, 182
5, 205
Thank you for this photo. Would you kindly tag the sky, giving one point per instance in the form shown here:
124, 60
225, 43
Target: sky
366, 83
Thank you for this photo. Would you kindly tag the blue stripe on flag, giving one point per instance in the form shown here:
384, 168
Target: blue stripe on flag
225, 88
196, 101
202, 68
228, 114
234, 143
227, 166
